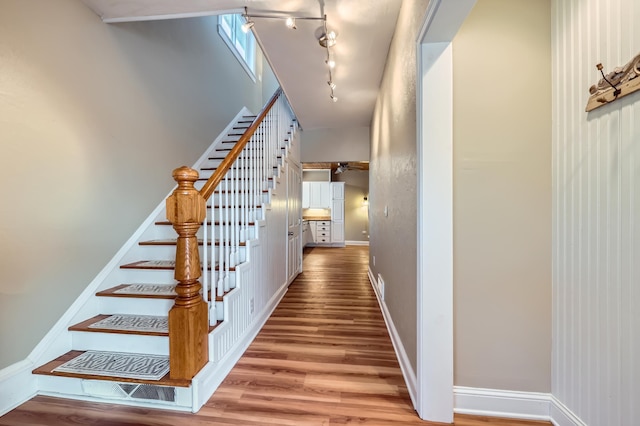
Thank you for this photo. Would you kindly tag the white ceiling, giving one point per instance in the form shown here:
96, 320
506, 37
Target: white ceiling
364, 27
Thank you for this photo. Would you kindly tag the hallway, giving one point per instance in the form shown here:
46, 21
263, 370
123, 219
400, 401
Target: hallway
323, 358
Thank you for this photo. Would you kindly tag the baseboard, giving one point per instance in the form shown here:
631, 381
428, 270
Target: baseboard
357, 243
562, 416
501, 403
408, 373
206, 382
17, 385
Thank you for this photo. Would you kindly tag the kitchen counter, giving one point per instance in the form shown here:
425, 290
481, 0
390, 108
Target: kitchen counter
316, 217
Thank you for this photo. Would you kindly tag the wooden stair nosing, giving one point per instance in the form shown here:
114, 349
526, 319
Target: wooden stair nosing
84, 326
47, 370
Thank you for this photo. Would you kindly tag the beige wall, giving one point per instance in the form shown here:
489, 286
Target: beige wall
356, 215
93, 118
393, 178
335, 144
502, 196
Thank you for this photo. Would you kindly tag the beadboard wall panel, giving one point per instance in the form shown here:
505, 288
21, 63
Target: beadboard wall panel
596, 206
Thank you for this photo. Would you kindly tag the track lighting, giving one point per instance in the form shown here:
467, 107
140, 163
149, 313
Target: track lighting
327, 39
291, 23
247, 26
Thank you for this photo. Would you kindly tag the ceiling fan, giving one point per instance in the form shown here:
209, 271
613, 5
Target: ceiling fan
358, 165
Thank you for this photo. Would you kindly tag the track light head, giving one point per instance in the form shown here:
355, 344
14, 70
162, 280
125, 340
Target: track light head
247, 25
291, 23
328, 39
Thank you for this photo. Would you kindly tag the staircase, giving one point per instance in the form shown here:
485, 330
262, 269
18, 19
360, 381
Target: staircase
120, 338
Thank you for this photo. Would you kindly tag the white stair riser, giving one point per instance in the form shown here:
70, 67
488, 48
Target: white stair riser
114, 342
135, 306
169, 251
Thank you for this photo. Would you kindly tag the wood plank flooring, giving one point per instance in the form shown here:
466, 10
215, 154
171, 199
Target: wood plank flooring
323, 358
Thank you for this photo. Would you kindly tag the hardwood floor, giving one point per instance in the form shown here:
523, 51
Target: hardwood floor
323, 358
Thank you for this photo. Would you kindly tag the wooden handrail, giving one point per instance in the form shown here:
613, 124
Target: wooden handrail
233, 155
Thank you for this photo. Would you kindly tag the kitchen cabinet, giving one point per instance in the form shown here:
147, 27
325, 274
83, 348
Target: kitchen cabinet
316, 195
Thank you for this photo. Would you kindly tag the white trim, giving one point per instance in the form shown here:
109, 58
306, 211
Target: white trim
169, 16
205, 383
17, 385
434, 109
562, 416
356, 243
405, 365
502, 403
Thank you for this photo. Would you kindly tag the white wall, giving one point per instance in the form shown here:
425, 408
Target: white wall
93, 118
596, 206
335, 144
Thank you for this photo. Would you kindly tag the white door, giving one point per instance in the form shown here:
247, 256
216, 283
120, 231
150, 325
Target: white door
294, 220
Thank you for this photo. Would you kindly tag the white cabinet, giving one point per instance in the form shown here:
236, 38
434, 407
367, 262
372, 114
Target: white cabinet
305, 195
316, 195
307, 234
323, 232
337, 190
337, 211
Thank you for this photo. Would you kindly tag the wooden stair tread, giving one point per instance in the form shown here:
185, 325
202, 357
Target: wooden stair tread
160, 265
112, 292
47, 370
84, 326
173, 242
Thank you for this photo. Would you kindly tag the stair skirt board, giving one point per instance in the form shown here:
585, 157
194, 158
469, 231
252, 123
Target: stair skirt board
117, 364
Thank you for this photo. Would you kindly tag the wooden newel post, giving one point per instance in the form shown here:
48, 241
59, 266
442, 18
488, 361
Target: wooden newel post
188, 322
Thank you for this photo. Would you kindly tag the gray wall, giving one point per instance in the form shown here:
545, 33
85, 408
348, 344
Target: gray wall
502, 178
356, 215
339, 144
393, 178
93, 118
502, 196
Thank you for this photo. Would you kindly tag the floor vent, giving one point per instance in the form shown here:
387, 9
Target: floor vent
380, 287
129, 391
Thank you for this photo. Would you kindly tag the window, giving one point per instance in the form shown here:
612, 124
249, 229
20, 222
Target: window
243, 45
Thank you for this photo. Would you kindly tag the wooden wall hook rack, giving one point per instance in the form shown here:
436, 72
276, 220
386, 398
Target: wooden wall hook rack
615, 85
